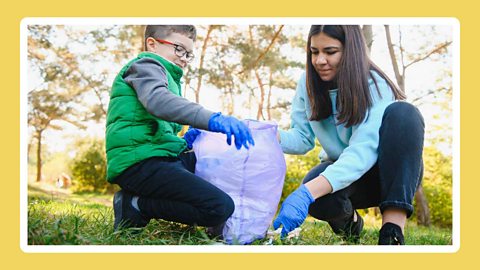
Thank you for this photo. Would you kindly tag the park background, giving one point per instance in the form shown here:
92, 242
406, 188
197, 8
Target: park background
242, 69
467, 21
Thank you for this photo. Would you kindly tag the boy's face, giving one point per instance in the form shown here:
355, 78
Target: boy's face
181, 44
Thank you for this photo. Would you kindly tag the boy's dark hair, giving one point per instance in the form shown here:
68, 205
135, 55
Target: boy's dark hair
163, 31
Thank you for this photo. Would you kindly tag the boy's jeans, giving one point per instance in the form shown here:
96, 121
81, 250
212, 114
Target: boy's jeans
391, 182
168, 189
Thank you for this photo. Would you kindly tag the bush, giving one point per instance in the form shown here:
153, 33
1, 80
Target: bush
437, 185
297, 167
89, 167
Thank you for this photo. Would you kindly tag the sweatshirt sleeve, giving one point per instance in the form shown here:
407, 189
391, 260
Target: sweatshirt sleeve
149, 79
299, 139
361, 153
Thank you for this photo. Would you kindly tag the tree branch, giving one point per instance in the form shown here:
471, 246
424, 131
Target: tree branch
417, 101
265, 51
436, 50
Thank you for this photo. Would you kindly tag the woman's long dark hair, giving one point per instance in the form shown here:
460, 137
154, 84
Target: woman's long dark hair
354, 70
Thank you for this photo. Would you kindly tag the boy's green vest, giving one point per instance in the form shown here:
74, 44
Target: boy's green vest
133, 134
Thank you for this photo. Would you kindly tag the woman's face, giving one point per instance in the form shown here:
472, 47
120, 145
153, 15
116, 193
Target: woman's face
326, 55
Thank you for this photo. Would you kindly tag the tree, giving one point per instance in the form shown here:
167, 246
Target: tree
64, 59
222, 75
258, 56
368, 34
46, 108
112, 44
201, 70
263, 64
52, 103
400, 64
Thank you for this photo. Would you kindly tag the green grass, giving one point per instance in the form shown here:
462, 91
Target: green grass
61, 218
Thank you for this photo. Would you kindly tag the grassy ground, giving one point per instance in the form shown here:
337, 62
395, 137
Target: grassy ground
57, 217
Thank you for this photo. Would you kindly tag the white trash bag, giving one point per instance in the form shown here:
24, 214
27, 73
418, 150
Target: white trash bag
253, 178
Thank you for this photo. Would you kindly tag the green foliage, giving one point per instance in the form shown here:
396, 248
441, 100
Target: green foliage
297, 167
437, 185
89, 167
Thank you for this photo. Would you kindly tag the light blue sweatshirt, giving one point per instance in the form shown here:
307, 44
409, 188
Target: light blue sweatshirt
353, 150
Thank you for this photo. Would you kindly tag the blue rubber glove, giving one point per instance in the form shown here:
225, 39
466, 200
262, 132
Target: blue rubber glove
230, 125
294, 210
190, 136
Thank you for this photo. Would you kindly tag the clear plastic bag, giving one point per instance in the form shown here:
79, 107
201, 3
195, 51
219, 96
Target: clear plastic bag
253, 178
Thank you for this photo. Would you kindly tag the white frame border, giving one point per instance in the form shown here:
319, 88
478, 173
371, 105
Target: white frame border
240, 249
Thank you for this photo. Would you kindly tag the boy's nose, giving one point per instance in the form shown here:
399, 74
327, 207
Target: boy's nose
184, 58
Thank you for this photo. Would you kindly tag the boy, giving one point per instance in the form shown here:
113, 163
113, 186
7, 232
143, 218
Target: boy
145, 157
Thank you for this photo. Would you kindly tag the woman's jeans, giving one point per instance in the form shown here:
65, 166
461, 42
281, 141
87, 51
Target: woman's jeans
391, 182
168, 189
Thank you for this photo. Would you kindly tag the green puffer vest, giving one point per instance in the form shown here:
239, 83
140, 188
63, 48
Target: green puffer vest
133, 134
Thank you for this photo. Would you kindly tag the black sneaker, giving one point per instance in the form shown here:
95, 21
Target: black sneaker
350, 230
125, 215
391, 234
216, 231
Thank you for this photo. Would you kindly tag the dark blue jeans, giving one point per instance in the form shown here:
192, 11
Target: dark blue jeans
168, 189
391, 182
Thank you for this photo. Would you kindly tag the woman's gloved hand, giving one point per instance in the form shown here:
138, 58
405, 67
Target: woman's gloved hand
230, 125
294, 210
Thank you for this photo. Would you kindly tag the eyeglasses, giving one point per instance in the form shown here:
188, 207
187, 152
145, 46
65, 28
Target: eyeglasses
180, 51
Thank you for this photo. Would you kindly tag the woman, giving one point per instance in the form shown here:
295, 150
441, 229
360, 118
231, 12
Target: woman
372, 143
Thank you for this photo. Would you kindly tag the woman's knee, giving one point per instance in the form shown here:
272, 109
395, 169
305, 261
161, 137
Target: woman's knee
402, 122
316, 171
333, 206
403, 113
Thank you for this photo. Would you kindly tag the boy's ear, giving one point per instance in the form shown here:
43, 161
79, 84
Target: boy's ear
150, 43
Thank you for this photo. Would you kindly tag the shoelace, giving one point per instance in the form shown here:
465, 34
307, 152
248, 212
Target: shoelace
394, 237
396, 241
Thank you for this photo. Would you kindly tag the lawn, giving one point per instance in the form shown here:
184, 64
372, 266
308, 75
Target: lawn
58, 217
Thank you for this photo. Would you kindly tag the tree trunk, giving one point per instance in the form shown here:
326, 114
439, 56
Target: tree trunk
398, 76
200, 67
30, 145
39, 155
269, 96
422, 211
186, 77
368, 34
197, 95
257, 76
262, 96
232, 102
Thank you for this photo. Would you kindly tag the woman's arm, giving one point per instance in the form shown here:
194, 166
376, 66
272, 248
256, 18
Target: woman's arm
299, 139
362, 150
319, 186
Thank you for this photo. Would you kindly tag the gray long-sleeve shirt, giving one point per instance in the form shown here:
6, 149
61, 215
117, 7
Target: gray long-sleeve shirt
149, 79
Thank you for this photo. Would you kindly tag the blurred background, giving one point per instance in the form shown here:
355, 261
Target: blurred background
249, 71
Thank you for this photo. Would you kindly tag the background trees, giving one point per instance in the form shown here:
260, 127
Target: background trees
246, 70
